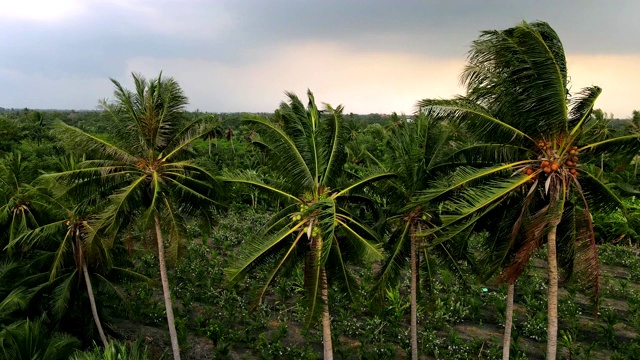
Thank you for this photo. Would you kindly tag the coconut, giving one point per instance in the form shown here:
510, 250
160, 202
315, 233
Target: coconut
547, 169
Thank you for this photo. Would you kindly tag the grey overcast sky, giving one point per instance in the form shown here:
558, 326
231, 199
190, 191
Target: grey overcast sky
241, 55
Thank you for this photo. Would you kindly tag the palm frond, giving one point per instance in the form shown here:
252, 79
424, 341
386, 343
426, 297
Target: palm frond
581, 107
478, 119
362, 182
289, 157
333, 146
596, 192
252, 179
626, 146
91, 142
465, 177
520, 73
257, 248
395, 261
61, 298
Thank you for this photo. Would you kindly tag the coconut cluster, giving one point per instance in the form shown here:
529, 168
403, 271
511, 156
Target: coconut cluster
298, 216
552, 160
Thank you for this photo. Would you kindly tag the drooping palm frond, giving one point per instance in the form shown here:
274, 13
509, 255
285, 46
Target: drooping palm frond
398, 252
253, 251
597, 192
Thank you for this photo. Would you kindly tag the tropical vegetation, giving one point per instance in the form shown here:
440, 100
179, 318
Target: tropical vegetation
146, 231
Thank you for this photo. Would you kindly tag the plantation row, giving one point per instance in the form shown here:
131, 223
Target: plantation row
310, 230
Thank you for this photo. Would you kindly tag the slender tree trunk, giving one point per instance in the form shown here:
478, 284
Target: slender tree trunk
167, 293
209, 145
508, 323
552, 295
92, 301
414, 295
87, 282
602, 162
326, 319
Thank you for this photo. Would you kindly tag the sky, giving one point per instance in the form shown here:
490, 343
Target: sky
242, 55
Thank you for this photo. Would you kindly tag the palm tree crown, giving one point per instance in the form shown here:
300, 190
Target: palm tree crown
307, 150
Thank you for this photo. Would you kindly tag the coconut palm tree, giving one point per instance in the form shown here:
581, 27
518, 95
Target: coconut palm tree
530, 130
417, 150
142, 169
22, 205
215, 130
317, 226
27, 340
72, 230
62, 239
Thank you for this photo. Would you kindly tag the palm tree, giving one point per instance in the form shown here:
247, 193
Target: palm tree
316, 227
68, 228
530, 131
215, 131
143, 171
22, 205
27, 340
72, 228
418, 149
36, 127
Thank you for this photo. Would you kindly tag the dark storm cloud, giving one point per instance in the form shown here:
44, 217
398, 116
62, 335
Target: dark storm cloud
438, 27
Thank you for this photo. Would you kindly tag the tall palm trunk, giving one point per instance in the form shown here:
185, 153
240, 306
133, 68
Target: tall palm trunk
552, 295
167, 292
508, 323
94, 310
209, 138
326, 319
414, 295
87, 282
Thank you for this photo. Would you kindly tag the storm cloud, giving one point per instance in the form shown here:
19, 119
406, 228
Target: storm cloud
372, 56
